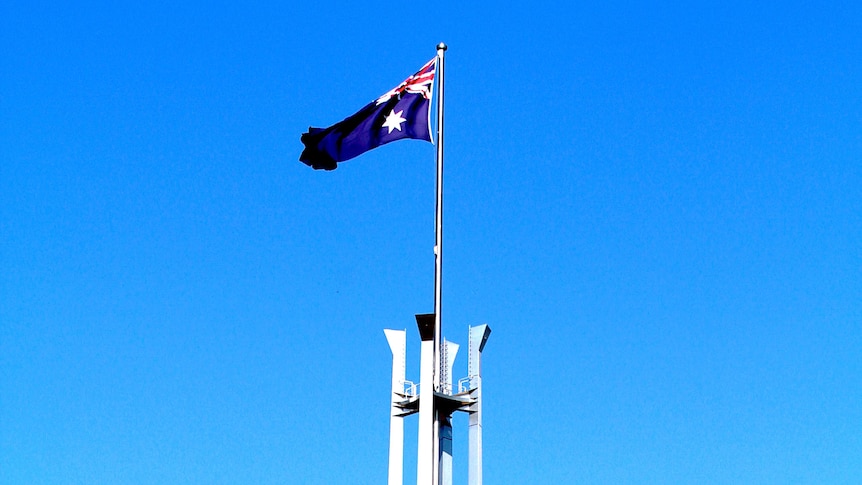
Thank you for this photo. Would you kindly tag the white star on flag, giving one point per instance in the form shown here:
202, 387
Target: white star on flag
394, 120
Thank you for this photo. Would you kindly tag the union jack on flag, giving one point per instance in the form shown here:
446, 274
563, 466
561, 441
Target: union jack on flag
402, 112
419, 83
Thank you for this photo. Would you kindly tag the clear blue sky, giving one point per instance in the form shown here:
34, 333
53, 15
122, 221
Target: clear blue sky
656, 207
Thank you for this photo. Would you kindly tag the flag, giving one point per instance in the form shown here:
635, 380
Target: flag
401, 112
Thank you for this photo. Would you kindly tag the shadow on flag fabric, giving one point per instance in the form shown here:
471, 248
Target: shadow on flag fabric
402, 112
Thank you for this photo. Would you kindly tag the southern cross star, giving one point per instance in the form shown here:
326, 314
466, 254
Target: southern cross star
394, 120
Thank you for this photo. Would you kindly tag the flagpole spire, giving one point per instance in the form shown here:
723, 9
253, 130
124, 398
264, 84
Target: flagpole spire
438, 248
438, 267
428, 449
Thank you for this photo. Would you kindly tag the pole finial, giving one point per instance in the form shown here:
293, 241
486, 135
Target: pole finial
442, 46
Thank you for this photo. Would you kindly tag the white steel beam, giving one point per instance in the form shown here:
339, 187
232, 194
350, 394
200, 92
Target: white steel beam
450, 350
478, 338
426, 474
398, 345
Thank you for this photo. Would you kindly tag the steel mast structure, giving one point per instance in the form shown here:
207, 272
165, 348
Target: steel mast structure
435, 398
464, 395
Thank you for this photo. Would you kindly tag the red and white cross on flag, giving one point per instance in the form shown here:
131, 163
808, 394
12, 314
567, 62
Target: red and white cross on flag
419, 83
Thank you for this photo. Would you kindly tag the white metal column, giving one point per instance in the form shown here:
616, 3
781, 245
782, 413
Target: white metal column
426, 474
450, 350
478, 336
398, 345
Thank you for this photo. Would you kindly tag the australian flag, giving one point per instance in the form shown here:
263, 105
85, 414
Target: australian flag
400, 113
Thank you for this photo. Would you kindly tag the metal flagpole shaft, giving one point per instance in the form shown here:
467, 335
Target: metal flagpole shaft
428, 447
438, 268
438, 248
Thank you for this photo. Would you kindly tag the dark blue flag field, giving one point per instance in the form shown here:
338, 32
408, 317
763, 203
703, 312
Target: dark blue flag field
400, 113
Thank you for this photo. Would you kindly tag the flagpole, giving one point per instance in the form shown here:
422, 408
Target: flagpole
438, 251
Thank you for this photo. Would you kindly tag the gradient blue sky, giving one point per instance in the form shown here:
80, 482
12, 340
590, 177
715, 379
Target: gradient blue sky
657, 207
